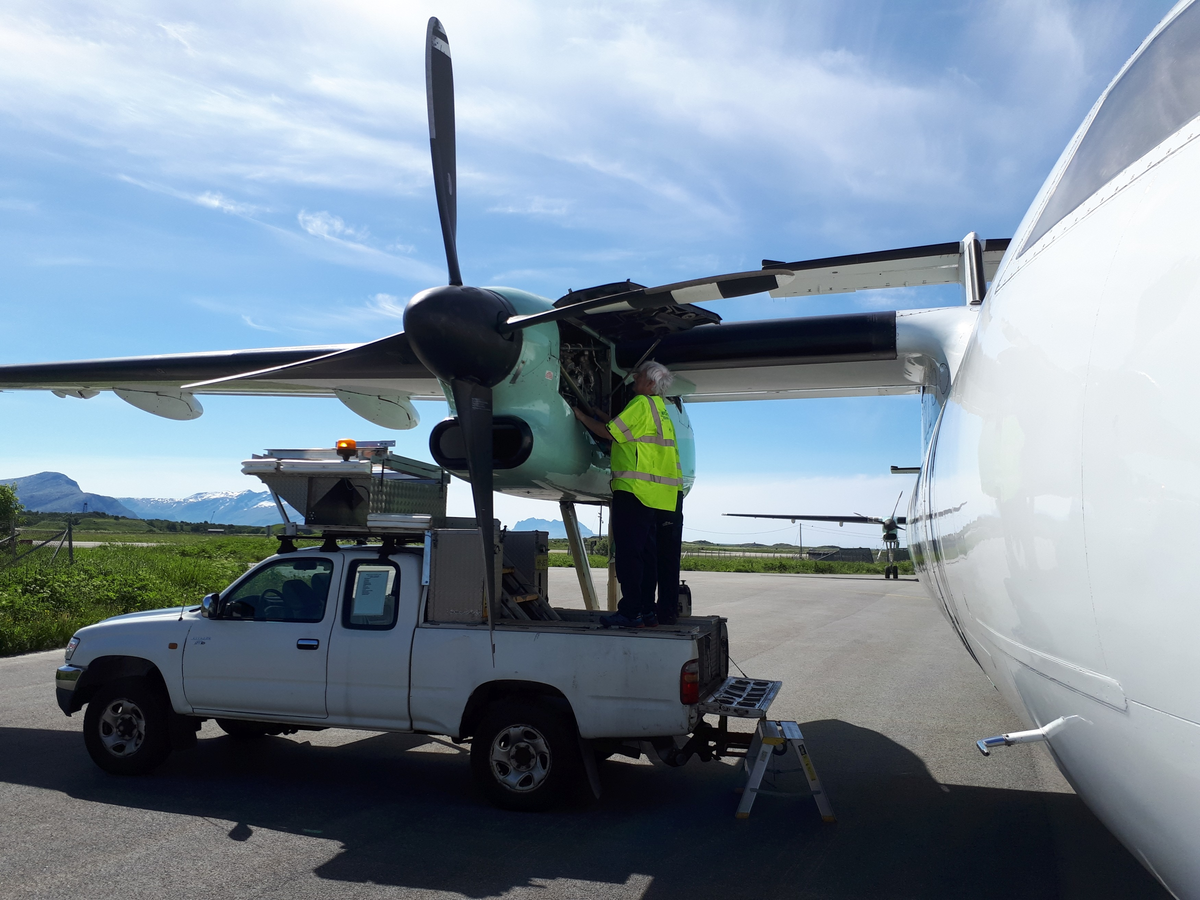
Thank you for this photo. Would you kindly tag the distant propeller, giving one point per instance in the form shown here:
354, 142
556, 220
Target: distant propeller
455, 330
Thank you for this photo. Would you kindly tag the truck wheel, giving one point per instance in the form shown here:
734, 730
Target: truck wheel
125, 727
242, 730
525, 756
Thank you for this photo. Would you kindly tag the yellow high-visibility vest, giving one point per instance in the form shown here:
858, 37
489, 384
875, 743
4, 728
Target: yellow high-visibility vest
645, 460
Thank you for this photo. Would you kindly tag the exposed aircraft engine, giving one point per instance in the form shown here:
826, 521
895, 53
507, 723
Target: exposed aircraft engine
586, 369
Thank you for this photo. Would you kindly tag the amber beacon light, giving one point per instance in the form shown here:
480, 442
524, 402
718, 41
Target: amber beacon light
346, 448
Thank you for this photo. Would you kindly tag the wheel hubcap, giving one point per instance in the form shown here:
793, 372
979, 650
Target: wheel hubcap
520, 758
122, 728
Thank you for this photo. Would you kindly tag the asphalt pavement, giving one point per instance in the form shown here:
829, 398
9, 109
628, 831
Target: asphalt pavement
889, 702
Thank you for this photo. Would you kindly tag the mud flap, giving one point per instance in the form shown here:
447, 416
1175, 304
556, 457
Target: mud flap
182, 730
588, 754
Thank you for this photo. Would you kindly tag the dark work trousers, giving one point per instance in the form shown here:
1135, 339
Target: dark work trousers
637, 563
668, 527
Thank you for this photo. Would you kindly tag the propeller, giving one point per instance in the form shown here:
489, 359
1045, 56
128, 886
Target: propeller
454, 330
894, 509
470, 338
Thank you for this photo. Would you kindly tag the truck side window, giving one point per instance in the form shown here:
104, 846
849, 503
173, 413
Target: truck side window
372, 595
286, 590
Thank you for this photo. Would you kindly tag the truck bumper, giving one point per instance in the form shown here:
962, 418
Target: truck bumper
65, 680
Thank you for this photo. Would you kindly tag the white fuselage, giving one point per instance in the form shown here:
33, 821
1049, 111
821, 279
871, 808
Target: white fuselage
1053, 517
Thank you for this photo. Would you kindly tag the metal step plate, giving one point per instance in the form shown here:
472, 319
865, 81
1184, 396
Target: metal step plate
744, 698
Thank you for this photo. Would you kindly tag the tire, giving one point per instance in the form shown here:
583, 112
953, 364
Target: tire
525, 756
125, 728
241, 730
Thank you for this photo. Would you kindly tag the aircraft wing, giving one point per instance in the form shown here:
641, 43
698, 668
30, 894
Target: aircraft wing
853, 520
906, 267
856, 355
864, 354
376, 379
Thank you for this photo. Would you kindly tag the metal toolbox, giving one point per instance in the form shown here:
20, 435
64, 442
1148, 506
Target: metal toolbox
345, 487
457, 590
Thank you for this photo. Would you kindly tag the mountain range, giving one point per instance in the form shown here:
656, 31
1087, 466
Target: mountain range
55, 492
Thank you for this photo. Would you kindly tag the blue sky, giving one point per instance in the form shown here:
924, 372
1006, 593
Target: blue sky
187, 176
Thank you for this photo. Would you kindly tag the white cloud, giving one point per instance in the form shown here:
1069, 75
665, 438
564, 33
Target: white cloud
209, 199
217, 200
534, 206
698, 107
323, 224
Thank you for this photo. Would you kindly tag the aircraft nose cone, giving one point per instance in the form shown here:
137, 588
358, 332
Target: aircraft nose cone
453, 331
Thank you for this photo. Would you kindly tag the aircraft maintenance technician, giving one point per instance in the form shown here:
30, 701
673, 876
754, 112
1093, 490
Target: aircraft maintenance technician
646, 486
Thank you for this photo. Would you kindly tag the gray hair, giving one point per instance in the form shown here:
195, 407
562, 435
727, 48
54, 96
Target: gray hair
659, 376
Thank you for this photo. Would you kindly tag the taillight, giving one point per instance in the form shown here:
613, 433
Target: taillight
689, 683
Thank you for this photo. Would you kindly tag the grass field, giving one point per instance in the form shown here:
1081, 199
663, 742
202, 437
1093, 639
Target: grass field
42, 605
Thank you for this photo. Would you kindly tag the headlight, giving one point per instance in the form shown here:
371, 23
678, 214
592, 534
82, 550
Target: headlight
71, 645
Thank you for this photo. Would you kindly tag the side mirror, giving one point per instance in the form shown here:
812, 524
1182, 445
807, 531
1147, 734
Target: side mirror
210, 606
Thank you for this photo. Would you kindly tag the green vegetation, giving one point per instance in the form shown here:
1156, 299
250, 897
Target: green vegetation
42, 605
86, 524
10, 506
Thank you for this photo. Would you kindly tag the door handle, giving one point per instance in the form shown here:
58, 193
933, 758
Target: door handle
307, 644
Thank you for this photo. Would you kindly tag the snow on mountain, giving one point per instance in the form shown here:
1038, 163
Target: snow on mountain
223, 507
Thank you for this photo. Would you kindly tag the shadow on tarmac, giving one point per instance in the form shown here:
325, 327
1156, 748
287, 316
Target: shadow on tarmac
410, 819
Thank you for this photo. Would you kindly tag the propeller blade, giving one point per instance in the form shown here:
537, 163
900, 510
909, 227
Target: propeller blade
897, 506
473, 403
439, 92
715, 287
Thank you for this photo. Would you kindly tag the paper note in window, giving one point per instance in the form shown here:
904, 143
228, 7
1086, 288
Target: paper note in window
371, 587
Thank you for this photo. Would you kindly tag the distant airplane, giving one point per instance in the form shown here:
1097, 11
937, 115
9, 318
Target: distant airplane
892, 525
1059, 419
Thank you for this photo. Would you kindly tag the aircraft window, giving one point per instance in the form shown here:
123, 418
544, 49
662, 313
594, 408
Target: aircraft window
372, 595
292, 590
1158, 95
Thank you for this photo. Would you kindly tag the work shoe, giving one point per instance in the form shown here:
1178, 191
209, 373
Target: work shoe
649, 620
617, 620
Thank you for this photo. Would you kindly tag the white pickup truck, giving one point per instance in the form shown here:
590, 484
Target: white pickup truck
385, 637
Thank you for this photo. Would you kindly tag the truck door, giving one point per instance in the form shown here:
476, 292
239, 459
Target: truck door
371, 641
267, 653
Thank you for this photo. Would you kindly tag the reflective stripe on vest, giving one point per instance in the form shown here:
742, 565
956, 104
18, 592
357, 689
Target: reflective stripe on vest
657, 479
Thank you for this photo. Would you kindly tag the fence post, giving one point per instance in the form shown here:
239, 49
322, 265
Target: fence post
70, 545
